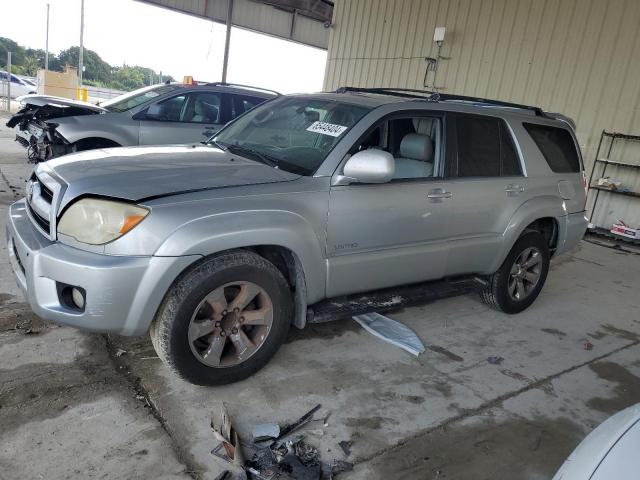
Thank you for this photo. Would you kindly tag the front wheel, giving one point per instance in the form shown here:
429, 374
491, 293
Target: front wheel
519, 280
224, 319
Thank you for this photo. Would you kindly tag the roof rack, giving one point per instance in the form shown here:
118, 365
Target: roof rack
439, 97
226, 84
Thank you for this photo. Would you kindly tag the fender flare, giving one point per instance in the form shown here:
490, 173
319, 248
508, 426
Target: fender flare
230, 230
534, 209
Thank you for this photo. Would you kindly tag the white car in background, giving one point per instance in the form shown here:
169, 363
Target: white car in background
610, 452
19, 86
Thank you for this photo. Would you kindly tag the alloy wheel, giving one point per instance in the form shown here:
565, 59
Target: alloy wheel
230, 324
525, 273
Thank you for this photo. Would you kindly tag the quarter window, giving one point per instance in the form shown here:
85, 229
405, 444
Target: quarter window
557, 147
485, 147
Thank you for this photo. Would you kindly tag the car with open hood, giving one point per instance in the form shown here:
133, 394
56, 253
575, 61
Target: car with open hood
306, 208
174, 113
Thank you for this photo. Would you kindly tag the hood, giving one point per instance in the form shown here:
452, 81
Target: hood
43, 108
137, 173
42, 100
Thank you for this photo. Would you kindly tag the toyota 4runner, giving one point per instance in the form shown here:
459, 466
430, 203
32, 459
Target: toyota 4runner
217, 248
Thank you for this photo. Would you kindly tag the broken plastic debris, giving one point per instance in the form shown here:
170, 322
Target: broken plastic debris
339, 466
229, 448
588, 345
391, 331
226, 475
265, 431
495, 360
120, 352
345, 445
287, 429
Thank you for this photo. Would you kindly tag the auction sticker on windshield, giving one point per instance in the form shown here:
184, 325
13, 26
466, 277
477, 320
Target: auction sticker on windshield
326, 129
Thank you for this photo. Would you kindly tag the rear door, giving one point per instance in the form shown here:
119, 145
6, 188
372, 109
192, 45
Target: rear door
184, 118
487, 186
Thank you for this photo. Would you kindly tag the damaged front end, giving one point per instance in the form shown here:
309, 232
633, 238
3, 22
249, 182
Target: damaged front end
37, 133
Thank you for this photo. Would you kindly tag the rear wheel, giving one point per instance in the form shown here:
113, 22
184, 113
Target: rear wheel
519, 280
224, 319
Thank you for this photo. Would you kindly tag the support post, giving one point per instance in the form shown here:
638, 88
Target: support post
225, 61
46, 43
80, 63
8, 81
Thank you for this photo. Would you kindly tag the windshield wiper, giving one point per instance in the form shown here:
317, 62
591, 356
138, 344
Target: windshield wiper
261, 157
221, 146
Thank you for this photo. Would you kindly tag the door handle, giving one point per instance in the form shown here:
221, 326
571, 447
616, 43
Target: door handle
513, 190
438, 195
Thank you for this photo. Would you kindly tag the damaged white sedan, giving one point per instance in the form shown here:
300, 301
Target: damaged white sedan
49, 127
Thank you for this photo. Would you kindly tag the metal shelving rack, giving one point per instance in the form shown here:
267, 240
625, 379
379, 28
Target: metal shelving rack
612, 137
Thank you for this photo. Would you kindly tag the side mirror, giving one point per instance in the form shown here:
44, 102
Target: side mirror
370, 166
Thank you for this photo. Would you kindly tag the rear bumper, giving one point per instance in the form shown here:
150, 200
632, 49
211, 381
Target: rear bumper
123, 293
572, 228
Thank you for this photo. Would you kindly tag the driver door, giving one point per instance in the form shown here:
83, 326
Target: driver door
382, 235
184, 118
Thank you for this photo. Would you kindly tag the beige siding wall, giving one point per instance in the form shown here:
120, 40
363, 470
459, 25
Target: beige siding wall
578, 57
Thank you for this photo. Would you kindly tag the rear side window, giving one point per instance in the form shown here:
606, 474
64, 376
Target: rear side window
485, 147
557, 147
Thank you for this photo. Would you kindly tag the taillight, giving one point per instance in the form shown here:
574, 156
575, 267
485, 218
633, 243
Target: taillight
586, 188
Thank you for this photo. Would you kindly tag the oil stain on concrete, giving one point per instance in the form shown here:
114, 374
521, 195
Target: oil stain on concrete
624, 394
509, 450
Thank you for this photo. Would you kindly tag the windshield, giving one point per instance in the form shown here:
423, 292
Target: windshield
137, 97
291, 133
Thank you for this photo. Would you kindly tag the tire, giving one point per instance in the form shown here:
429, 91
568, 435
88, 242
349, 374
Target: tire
190, 299
499, 293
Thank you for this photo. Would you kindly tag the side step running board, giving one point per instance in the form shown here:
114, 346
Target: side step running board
390, 299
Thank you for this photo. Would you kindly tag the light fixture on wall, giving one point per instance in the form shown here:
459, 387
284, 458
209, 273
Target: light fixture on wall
434, 63
438, 35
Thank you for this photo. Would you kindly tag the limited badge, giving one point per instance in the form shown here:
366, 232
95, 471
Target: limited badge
324, 128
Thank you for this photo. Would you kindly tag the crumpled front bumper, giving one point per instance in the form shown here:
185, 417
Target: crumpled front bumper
123, 293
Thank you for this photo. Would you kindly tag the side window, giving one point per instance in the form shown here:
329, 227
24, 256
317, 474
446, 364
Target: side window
478, 146
485, 147
242, 103
557, 147
414, 142
203, 107
169, 110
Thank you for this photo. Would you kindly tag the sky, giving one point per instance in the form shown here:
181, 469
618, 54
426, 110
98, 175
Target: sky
126, 31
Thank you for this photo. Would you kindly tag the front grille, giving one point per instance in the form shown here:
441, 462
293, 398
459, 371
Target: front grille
46, 194
43, 191
42, 222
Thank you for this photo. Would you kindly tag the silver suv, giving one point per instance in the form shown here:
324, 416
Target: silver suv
217, 249
172, 113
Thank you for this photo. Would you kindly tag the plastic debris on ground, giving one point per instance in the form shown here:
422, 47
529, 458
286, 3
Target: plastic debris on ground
346, 447
306, 418
290, 456
587, 345
294, 459
495, 360
265, 431
229, 447
391, 331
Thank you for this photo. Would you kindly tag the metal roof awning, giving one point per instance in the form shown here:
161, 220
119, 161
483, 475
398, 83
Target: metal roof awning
301, 21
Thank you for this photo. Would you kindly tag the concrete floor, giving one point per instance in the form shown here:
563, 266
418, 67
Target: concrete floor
70, 407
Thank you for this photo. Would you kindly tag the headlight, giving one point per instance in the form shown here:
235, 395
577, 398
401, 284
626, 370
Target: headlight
96, 222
